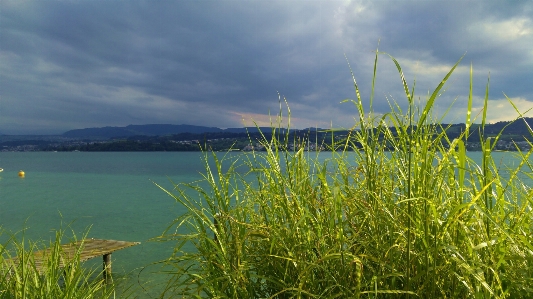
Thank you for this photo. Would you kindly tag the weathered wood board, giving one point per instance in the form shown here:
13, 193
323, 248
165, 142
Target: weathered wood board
87, 249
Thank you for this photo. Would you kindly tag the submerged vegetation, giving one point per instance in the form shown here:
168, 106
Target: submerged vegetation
399, 210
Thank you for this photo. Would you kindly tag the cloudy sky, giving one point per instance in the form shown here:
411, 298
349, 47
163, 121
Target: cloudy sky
76, 64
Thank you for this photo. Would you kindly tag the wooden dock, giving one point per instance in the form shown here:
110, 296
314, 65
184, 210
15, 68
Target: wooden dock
86, 249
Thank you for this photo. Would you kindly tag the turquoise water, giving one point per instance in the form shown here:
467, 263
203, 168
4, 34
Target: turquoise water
113, 194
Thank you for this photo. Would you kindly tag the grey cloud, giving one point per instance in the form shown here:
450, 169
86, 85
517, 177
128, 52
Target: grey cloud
97, 63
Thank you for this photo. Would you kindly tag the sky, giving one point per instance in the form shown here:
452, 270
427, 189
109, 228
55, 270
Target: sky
91, 63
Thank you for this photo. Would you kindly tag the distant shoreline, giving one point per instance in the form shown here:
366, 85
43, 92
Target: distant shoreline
159, 138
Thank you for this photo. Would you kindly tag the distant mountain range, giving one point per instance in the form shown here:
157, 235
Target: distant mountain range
157, 133
517, 128
151, 130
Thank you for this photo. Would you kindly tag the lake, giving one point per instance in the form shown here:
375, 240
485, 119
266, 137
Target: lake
111, 194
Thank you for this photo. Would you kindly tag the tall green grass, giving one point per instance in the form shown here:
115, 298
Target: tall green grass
398, 210
406, 214
20, 277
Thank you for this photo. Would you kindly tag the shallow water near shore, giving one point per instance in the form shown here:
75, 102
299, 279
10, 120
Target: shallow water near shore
112, 195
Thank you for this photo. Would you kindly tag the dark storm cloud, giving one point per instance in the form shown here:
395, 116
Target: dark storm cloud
66, 64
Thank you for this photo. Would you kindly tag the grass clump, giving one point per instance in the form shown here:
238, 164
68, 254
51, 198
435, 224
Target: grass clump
23, 275
407, 213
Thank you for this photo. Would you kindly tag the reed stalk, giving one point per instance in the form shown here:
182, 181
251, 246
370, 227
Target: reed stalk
22, 276
398, 210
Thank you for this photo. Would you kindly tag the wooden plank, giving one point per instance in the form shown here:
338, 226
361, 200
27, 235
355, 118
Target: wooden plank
87, 248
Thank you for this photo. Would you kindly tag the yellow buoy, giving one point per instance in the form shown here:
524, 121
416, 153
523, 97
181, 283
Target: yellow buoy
21, 174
